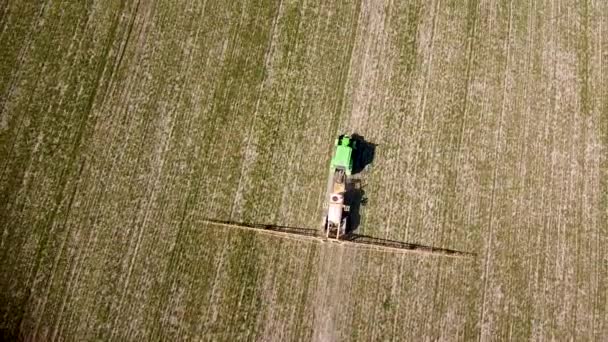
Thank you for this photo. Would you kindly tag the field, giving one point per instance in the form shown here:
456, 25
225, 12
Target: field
125, 124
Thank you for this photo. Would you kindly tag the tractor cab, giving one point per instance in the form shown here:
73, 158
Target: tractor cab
343, 155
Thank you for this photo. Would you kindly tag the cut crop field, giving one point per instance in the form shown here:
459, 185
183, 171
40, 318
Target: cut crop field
124, 125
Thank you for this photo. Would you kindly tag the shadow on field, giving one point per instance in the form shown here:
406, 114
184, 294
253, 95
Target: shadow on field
355, 197
10, 334
364, 153
373, 241
268, 227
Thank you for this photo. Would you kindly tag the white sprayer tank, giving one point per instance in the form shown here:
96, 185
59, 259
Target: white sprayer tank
334, 213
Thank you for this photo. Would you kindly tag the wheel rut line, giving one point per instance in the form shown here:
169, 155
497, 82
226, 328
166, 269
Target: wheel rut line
319, 325
36, 27
139, 229
421, 105
67, 233
401, 123
173, 256
211, 204
3, 173
74, 154
92, 241
494, 178
586, 112
284, 102
603, 200
400, 136
429, 69
227, 241
212, 301
546, 202
73, 280
195, 193
381, 49
339, 108
123, 46
266, 172
4, 12
471, 31
185, 72
471, 40
268, 55
225, 61
34, 151
123, 103
38, 81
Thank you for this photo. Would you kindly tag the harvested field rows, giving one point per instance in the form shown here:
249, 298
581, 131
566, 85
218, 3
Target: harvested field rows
124, 126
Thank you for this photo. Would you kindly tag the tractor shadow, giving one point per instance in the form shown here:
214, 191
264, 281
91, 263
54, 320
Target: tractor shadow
363, 155
363, 158
355, 197
369, 240
268, 227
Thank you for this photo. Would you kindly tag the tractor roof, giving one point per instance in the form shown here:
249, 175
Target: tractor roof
343, 155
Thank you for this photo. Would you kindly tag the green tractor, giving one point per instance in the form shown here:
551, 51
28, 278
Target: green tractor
343, 156
336, 207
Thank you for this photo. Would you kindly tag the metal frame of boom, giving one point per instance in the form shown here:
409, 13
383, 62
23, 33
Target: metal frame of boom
355, 241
